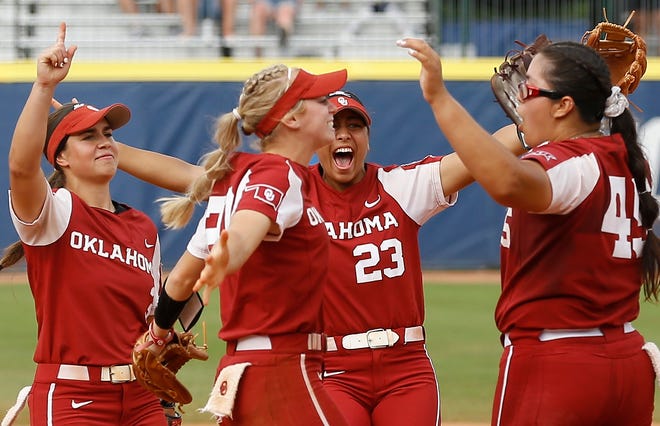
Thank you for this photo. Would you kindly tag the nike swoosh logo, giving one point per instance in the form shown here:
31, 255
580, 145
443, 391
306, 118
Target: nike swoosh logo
76, 405
369, 205
332, 373
147, 245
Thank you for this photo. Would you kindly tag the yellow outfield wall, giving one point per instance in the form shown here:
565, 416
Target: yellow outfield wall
238, 70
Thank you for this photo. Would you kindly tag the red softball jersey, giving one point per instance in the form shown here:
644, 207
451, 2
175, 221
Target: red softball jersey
94, 276
375, 275
279, 289
576, 265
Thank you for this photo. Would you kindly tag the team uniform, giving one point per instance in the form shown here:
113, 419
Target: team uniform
271, 307
572, 356
376, 365
89, 268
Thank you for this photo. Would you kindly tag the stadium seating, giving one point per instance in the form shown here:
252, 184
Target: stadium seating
324, 28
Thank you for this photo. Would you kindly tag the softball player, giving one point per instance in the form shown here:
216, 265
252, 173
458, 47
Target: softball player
376, 367
577, 245
260, 240
93, 264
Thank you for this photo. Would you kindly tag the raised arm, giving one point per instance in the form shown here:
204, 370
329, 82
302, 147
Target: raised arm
453, 173
158, 169
507, 180
26, 179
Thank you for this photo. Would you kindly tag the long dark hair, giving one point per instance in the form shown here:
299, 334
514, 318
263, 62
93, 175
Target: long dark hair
584, 75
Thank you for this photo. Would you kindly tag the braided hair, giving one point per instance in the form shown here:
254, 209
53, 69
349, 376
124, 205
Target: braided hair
259, 94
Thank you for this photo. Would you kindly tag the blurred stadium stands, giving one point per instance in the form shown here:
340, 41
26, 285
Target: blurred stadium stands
338, 29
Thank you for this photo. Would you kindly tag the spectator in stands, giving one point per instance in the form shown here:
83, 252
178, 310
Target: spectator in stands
194, 14
368, 12
228, 13
282, 12
187, 9
222, 12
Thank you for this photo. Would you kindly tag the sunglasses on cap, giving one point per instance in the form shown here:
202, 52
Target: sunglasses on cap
528, 91
345, 94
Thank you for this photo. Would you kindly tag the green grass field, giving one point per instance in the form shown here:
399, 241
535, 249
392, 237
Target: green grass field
461, 339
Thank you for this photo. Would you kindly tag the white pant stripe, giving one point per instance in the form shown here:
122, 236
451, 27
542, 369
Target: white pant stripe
504, 381
315, 401
49, 412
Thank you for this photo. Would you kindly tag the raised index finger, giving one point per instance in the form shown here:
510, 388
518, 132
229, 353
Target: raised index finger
61, 35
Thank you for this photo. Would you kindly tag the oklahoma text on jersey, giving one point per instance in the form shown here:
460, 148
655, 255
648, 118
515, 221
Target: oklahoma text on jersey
364, 226
127, 255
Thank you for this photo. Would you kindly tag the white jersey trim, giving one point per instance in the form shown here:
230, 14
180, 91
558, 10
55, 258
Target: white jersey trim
418, 190
288, 215
198, 244
572, 181
52, 221
291, 210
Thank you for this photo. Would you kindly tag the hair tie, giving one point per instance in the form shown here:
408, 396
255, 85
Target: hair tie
236, 114
616, 103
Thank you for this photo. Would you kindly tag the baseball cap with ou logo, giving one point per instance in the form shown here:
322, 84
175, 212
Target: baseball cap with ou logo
303, 86
74, 118
342, 99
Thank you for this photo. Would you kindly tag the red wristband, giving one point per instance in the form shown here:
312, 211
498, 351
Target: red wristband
160, 341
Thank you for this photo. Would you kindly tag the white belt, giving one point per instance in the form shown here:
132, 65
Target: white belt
254, 343
555, 334
264, 343
113, 373
377, 338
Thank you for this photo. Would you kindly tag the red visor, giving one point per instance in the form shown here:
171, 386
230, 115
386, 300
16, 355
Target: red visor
305, 86
83, 117
346, 100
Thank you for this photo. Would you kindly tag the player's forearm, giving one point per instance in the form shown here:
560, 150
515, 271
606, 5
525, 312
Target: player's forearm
247, 231
490, 162
453, 173
158, 169
28, 139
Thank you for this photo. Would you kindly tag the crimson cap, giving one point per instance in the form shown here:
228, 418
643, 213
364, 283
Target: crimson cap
304, 86
347, 100
74, 118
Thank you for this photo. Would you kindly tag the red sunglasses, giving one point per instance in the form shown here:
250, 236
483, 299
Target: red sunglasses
526, 91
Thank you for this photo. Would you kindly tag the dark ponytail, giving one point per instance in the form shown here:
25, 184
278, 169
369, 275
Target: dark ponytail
648, 205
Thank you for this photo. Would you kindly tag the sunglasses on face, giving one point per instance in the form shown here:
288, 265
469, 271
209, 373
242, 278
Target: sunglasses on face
528, 91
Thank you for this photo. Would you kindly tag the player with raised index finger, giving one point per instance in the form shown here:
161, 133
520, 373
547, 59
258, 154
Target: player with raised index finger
93, 264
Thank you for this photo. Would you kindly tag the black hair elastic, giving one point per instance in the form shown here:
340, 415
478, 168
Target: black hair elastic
168, 309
